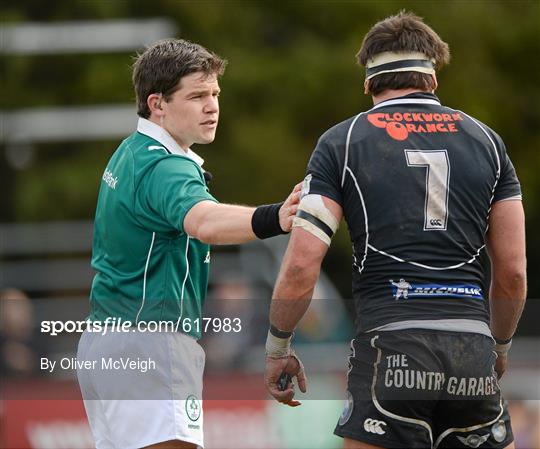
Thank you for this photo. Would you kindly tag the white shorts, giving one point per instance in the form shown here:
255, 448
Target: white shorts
141, 388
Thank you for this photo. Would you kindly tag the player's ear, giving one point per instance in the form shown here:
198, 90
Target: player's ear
435, 83
155, 104
366, 87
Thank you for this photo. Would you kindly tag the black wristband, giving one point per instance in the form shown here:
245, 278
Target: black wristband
265, 221
278, 333
502, 342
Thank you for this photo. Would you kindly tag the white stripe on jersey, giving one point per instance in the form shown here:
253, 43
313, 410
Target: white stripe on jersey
361, 267
347, 143
184, 283
497, 176
429, 267
145, 273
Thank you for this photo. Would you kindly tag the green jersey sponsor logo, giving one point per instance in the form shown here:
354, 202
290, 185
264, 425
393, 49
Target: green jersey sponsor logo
110, 179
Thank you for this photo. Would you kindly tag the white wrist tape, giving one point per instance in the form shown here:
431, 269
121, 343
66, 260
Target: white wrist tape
278, 347
503, 349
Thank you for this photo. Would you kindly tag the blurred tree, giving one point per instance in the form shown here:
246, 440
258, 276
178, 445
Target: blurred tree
292, 74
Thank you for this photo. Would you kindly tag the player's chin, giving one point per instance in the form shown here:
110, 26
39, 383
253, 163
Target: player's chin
206, 138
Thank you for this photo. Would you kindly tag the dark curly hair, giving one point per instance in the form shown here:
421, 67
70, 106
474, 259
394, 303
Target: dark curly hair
403, 32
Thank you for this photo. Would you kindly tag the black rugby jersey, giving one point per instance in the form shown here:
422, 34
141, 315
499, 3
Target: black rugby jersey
416, 181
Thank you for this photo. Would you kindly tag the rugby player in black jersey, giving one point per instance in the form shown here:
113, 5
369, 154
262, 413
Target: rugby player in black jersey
425, 190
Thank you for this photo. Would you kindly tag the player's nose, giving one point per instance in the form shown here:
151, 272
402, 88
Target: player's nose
212, 105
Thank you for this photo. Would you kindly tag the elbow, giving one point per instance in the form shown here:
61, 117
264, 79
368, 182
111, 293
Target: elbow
201, 230
200, 222
514, 273
517, 279
204, 233
296, 270
302, 272
512, 280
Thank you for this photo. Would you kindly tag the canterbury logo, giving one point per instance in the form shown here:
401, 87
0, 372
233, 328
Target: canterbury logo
374, 426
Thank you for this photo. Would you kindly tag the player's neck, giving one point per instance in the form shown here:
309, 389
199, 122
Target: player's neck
158, 122
389, 94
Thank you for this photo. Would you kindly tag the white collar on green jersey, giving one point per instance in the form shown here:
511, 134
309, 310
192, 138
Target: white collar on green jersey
156, 132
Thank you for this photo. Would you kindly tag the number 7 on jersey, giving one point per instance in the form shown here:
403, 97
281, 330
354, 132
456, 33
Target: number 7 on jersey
437, 167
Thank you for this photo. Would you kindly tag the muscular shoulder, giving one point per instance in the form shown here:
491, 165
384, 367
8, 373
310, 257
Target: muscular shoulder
476, 128
176, 167
337, 134
149, 154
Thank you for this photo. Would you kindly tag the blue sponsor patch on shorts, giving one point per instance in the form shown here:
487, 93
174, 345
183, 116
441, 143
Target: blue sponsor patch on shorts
406, 290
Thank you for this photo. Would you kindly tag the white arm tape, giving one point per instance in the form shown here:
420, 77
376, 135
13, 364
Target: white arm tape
312, 229
314, 205
503, 349
278, 347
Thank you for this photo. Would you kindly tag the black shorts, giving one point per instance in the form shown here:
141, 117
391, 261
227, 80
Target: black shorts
424, 389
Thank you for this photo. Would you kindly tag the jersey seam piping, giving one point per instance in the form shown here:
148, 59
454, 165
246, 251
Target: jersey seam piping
347, 145
366, 221
429, 267
185, 280
498, 174
352, 356
145, 275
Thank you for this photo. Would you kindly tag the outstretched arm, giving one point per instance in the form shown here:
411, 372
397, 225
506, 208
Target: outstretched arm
227, 224
215, 223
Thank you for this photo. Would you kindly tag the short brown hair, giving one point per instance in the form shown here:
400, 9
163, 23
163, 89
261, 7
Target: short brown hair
161, 67
403, 32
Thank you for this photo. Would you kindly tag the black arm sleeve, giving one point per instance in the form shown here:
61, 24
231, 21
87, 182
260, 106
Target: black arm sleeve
324, 172
508, 185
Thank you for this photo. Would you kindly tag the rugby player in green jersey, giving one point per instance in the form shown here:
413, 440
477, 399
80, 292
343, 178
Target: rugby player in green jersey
154, 223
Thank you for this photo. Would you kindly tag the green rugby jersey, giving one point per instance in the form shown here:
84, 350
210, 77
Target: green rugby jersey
148, 268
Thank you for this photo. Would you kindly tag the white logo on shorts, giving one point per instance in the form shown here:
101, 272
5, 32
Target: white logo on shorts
498, 430
347, 409
374, 426
474, 440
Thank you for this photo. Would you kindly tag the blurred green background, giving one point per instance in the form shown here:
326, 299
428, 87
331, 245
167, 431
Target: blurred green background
292, 74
